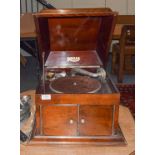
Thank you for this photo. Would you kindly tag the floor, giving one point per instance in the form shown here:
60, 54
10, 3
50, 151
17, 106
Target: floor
29, 77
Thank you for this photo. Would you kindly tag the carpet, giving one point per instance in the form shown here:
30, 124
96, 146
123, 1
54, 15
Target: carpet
127, 92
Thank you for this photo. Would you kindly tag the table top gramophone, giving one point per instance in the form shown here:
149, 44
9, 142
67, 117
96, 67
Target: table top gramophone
76, 100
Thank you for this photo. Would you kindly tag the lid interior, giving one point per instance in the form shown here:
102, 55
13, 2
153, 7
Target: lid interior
75, 32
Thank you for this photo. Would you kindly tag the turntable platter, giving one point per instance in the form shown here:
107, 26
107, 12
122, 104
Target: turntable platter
75, 84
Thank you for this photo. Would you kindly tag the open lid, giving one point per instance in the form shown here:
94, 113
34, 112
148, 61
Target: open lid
75, 30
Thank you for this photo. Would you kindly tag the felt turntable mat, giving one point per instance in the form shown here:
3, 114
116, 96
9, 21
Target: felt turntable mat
75, 84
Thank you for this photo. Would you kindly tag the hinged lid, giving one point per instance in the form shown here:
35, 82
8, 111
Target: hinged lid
75, 30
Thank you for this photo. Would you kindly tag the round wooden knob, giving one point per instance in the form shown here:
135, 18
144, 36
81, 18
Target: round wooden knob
82, 121
128, 32
71, 121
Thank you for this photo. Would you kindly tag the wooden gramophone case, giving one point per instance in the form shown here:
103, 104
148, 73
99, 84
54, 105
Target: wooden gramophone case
80, 103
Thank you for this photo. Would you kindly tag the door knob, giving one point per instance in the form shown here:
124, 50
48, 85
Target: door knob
71, 121
82, 121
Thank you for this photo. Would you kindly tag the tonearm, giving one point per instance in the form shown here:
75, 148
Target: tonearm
100, 73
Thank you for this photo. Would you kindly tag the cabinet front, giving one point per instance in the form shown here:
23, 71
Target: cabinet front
59, 120
95, 120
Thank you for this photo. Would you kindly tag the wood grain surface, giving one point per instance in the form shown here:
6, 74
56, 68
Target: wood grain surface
59, 120
95, 120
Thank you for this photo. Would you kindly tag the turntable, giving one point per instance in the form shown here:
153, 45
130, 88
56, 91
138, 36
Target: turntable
76, 100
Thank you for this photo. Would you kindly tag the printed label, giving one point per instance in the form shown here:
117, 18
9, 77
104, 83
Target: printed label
73, 59
46, 97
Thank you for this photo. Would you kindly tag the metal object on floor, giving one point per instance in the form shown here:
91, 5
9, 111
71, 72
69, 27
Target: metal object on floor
25, 103
27, 118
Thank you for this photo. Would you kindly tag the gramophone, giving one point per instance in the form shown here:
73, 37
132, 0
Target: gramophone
76, 100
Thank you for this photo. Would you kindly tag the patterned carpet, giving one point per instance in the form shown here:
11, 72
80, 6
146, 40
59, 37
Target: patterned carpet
127, 92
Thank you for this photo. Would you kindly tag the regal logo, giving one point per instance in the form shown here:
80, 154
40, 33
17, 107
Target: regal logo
73, 59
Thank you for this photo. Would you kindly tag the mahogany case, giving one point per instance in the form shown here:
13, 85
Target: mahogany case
70, 39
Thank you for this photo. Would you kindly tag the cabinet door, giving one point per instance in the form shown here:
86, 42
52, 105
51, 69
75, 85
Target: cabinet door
59, 120
95, 120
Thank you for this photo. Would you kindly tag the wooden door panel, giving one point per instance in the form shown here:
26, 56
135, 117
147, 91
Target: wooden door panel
59, 120
95, 120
